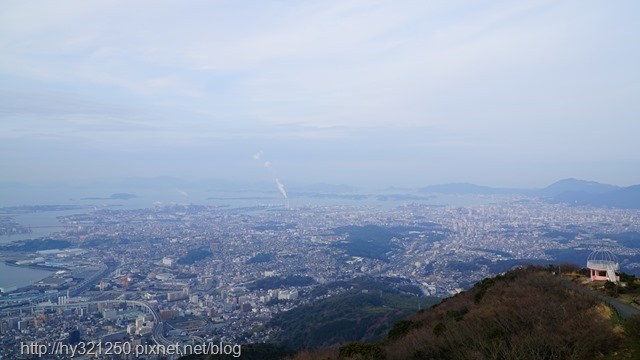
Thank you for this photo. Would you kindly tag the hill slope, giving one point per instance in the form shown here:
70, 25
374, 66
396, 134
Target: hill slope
525, 314
365, 312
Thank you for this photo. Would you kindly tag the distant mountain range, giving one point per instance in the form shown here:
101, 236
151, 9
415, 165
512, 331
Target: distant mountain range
569, 191
581, 192
575, 186
623, 198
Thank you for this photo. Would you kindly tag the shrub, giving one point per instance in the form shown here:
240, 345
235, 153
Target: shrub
400, 329
632, 328
359, 350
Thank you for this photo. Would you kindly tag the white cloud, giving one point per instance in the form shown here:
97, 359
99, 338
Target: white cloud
484, 76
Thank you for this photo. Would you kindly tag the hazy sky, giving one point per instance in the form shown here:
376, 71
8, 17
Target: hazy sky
407, 93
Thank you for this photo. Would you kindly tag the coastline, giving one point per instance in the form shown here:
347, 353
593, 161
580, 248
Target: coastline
32, 266
20, 277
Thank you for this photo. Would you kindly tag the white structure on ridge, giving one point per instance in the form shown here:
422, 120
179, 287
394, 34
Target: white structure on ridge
603, 265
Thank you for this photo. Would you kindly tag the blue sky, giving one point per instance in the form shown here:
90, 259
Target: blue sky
379, 93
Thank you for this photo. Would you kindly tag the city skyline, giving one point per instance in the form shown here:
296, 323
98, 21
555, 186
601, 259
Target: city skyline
363, 93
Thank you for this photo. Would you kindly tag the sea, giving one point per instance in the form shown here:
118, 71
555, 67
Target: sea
14, 276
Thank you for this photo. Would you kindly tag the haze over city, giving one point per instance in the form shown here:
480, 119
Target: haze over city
309, 179
375, 93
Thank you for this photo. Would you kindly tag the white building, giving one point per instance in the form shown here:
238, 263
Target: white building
167, 261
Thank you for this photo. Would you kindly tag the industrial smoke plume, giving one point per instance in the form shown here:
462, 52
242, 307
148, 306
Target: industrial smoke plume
281, 188
258, 156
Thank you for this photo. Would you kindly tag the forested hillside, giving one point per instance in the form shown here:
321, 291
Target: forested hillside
527, 313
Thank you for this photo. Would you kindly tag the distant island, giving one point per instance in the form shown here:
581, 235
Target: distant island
26, 209
118, 196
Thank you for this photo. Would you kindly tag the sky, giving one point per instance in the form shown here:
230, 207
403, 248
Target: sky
370, 93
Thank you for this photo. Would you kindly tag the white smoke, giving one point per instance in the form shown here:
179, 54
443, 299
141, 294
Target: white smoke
267, 164
183, 193
281, 188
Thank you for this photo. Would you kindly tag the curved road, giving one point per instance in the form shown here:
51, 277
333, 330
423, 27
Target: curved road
624, 310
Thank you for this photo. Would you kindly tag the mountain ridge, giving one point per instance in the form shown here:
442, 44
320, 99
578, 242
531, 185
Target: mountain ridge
526, 313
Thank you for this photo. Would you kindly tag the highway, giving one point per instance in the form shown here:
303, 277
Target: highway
158, 328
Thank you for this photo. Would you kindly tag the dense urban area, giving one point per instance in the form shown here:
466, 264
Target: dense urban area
192, 274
